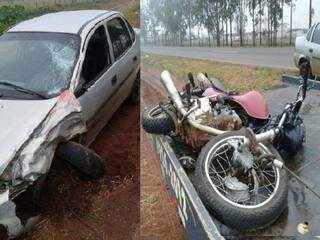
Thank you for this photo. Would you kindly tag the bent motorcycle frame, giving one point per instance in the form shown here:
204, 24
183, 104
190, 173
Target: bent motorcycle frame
269, 135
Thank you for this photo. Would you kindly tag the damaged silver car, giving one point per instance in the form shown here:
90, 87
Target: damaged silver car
62, 76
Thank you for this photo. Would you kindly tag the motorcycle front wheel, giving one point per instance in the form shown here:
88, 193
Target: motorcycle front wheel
240, 198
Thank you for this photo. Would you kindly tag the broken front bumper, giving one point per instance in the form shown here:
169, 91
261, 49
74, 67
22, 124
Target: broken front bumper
19, 208
25, 160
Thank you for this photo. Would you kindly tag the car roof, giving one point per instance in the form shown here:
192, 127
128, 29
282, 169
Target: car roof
61, 22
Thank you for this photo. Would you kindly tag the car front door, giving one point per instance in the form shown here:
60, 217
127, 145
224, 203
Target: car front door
314, 51
97, 81
124, 54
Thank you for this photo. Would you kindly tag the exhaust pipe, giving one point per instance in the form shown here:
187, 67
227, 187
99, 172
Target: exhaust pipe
173, 92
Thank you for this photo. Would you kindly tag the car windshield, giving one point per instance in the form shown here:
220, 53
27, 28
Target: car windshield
38, 62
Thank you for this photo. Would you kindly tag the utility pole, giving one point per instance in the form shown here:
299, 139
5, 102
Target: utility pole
310, 13
282, 2
291, 22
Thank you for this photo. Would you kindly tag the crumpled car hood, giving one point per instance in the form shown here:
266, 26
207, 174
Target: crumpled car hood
18, 120
30, 133
31, 130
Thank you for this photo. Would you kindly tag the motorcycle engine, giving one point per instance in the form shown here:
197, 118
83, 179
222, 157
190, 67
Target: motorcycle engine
218, 116
225, 118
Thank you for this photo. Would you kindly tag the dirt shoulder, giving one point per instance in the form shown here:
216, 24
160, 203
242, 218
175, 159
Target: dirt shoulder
158, 210
108, 208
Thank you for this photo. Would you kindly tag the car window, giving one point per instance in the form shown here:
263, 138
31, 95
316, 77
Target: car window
119, 36
309, 33
97, 56
316, 35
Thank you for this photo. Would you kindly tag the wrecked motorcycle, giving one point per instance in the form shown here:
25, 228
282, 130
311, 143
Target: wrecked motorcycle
204, 110
239, 174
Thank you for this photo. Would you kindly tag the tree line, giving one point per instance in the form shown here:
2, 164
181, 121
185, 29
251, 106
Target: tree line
178, 20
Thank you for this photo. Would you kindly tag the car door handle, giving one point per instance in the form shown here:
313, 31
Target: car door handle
114, 80
310, 50
135, 58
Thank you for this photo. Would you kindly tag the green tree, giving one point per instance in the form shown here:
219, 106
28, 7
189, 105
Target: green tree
213, 9
261, 4
151, 19
228, 8
292, 6
276, 15
252, 5
189, 11
241, 19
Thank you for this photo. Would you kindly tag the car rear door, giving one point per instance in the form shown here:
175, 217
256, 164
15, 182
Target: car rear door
314, 51
125, 55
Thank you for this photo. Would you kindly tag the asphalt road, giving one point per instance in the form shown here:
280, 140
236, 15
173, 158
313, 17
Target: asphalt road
277, 57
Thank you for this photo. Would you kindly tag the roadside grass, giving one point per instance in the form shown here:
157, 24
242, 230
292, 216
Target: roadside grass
233, 76
132, 13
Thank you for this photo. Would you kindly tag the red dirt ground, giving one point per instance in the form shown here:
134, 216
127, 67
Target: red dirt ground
158, 212
104, 209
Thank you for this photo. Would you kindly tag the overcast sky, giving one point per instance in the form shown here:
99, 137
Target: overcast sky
300, 14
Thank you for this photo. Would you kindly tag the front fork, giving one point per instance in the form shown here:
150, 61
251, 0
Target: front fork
253, 139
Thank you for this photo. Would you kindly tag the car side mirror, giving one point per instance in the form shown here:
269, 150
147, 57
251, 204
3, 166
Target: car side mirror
81, 90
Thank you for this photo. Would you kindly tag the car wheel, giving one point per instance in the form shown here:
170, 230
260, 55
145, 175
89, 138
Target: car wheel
85, 161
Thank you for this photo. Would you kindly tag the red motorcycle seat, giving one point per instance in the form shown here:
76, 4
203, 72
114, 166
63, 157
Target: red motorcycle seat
252, 102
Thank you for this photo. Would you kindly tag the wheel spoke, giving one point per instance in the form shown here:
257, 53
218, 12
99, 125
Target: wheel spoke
219, 166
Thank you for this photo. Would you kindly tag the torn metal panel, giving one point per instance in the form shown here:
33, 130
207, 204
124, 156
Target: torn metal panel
32, 129
18, 121
62, 122
29, 145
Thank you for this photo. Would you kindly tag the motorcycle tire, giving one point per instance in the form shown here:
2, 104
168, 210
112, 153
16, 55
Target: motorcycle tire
155, 120
228, 212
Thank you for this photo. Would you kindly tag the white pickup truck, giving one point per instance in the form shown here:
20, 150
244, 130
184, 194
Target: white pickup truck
307, 48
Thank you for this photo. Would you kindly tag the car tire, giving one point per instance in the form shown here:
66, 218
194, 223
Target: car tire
156, 121
134, 97
84, 160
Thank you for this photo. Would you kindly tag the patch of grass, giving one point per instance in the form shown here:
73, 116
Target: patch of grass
11, 15
132, 13
233, 76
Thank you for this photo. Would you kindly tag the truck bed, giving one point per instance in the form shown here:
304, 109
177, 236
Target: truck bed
303, 211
